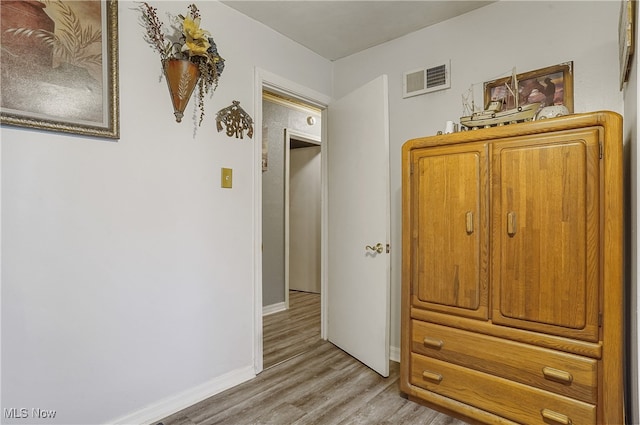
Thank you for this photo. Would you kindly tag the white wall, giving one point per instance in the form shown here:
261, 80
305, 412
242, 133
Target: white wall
126, 269
632, 181
483, 45
305, 220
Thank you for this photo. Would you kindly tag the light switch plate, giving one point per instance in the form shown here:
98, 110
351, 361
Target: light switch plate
227, 178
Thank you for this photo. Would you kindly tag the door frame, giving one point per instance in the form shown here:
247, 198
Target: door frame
266, 80
307, 138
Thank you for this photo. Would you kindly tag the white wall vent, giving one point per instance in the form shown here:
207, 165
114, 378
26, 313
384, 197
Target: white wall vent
421, 81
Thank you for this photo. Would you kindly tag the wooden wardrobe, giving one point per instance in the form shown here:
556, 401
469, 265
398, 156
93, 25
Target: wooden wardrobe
512, 290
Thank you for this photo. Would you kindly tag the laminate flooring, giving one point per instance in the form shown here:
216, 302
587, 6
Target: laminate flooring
320, 385
289, 333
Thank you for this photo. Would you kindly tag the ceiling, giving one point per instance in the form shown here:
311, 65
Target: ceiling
335, 29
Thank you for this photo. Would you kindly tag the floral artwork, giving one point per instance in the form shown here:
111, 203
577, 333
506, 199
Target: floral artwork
59, 65
192, 43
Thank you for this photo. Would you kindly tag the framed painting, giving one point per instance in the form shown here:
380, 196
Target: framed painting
625, 39
550, 86
60, 66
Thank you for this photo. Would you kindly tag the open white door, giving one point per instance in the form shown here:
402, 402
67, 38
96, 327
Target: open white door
358, 278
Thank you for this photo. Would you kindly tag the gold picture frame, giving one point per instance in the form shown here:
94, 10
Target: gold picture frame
60, 66
625, 38
533, 85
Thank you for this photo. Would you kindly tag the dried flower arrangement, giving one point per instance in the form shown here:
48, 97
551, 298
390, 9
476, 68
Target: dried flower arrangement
191, 43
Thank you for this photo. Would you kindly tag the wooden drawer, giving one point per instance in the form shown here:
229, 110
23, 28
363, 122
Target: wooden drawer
508, 399
563, 373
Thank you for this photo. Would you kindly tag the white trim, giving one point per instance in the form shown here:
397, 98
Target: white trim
257, 225
324, 227
279, 85
287, 88
274, 308
388, 221
394, 354
303, 137
172, 404
287, 200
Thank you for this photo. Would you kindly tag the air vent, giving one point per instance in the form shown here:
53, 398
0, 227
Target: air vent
421, 81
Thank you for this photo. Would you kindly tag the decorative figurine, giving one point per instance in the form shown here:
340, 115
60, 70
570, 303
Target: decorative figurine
236, 120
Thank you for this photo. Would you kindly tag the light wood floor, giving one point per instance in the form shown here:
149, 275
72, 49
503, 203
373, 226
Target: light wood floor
289, 333
319, 385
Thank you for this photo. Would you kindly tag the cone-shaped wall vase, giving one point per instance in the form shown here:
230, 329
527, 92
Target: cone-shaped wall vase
182, 77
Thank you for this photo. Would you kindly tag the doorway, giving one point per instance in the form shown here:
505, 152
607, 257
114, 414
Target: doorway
291, 227
360, 122
304, 213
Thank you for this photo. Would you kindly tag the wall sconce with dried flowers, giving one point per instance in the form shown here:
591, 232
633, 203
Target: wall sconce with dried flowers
235, 119
192, 59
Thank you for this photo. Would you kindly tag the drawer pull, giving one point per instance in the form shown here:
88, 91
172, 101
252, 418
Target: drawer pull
511, 224
433, 342
557, 375
556, 417
469, 222
432, 376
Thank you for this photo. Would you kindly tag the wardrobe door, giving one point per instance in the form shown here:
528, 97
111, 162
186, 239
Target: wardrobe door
546, 233
450, 222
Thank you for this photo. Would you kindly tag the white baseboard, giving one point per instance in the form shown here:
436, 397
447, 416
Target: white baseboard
273, 308
394, 354
170, 405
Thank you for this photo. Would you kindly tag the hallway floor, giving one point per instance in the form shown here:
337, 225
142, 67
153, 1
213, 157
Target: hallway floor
289, 333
